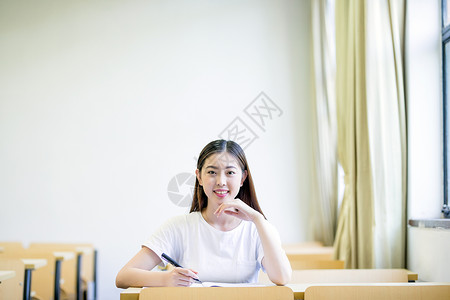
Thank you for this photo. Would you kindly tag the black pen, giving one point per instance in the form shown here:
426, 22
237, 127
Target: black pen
174, 263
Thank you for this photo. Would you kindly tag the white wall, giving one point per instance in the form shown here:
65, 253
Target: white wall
428, 253
427, 248
102, 103
423, 75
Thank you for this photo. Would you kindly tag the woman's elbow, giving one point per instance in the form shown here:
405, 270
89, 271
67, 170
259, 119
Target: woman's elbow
120, 283
283, 278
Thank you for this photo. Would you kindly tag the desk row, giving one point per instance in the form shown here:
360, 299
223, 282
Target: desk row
49, 271
346, 291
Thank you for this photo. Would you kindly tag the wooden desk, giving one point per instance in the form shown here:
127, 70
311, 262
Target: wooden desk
225, 293
7, 247
64, 255
23, 269
412, 276
5, 274
60, 257
310, 250
47, 265
349, 275
86, 270
317, 264
299, 289
322, 253
32, 264
433, 291
345, 275
130, 294
133, 293
295, 246
86, 265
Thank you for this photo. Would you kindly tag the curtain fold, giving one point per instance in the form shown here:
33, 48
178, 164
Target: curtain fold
354, 236
371, 132
324, 179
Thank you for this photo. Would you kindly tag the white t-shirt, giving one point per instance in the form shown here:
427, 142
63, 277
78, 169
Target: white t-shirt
218, 256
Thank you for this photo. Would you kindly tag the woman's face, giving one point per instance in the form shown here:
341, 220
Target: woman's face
221, 177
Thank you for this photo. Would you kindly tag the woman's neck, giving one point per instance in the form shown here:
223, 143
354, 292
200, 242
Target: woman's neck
222, 223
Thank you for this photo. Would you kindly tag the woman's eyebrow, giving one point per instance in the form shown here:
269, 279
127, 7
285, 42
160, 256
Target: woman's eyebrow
215, 168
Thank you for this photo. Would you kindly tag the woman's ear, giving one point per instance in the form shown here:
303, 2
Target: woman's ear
244, 176
197, 173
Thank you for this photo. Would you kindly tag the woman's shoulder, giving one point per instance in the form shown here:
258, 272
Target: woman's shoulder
190, 218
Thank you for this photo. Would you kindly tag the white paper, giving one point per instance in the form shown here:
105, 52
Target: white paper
224, 284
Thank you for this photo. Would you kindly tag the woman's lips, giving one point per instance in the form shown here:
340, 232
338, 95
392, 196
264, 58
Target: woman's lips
221, 193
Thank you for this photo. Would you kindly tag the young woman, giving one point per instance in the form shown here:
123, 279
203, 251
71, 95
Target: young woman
224, 238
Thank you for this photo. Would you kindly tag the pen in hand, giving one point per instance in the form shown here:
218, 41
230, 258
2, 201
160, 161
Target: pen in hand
175, 264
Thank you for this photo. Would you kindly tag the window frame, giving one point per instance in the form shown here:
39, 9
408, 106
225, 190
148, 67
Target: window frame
445, 41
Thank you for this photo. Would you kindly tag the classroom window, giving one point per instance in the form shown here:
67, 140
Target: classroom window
446, 95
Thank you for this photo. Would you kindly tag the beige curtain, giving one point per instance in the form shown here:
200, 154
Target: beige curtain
371, 132
387, 129
353, 242
324, 179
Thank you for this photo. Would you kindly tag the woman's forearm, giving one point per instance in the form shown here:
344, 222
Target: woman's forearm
275, 260
134, 277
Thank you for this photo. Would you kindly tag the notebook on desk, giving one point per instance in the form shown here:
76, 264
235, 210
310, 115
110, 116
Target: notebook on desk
224, 284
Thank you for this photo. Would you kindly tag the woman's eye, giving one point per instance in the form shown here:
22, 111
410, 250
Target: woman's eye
231, 173
211, 172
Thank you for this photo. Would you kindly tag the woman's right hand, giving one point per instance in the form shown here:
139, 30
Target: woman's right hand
180, 277
136, 272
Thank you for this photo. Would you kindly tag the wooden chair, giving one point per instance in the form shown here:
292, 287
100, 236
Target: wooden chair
13, 288
86, 264
375, 292
217, 293
350, 276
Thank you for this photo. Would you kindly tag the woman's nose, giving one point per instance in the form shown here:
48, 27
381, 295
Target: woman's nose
221, 180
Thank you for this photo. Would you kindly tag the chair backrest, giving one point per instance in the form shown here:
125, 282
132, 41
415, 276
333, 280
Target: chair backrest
349, 276
12, 288
217, 293
379, 292
317, 264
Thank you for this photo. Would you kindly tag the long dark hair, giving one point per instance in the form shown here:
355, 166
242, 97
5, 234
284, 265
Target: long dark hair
247, 191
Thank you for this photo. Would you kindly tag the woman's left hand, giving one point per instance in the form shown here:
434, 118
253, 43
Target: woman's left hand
238, 209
